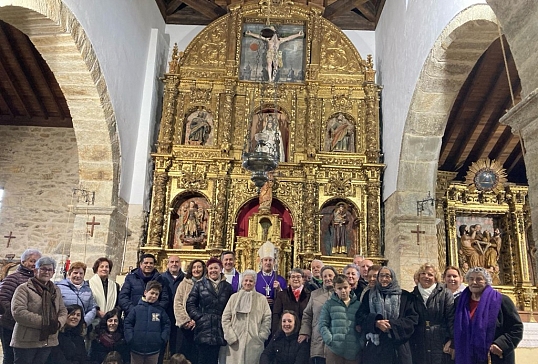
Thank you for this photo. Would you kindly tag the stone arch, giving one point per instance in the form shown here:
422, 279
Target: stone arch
67, 49
64, 45
446, 68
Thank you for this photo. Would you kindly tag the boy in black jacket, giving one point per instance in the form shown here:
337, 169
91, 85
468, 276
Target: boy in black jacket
147, 327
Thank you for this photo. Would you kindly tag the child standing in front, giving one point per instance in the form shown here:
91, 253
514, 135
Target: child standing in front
337, 324
147, 327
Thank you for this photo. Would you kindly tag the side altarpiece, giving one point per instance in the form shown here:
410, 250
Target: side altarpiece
324, 198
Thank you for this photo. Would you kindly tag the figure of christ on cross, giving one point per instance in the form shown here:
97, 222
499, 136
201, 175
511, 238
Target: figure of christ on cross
92, 224
418, 232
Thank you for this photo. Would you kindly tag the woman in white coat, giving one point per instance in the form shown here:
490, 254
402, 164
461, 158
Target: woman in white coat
246, 322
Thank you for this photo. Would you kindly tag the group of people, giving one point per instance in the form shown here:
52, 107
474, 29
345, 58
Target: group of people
214, 314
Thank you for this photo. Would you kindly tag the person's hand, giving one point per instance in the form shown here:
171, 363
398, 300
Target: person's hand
276, 285
302, 338
383, 325
495, 349
101, 313
446, 348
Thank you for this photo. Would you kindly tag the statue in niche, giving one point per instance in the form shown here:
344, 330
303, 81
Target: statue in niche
273, 53
269, 140
266, 196
266, 225
191, 223
340, 135
198, 131
339, 222
339, 229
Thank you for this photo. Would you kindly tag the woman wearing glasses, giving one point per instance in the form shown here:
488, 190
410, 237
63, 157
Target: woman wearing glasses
295, 298
39, 312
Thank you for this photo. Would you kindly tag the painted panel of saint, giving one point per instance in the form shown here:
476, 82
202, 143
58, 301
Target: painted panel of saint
480, 243
191, 222
199, 128
272, 53
270, 133
340, 135
339, 229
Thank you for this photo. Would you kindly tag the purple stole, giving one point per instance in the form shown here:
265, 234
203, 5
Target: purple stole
235, 282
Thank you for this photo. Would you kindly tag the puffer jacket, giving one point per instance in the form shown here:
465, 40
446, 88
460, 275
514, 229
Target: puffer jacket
435, 326
7, 288
27, 310
147, 328
337, 327
205, 305
134, 286
82, 297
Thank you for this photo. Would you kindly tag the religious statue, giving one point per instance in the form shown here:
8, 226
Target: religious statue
200, 129
193, 220
468, 248
269, 140
479, 248
266, 195
273, 54
339, 222
340, 135
491, 253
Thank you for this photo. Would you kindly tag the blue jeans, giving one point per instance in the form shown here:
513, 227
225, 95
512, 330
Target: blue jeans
5, 335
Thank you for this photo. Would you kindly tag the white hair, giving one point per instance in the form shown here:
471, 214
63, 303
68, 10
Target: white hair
249, 272
28, 253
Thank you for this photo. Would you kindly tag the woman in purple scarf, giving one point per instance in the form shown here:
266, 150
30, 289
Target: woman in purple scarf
486, 323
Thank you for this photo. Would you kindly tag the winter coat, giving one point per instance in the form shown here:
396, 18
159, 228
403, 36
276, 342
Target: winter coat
393, 348
310, 321
435, 326
245, 333
7, 288
26, 308
508, 332
71, 349
134, 286
285, 300
82, 297
337, 327
284, 349
171, 287
314, 284
99, 351
180, 302
147, 328
205, 305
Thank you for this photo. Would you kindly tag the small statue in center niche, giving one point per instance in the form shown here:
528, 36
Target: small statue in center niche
191, 225
340, 135
198, 131
339, 222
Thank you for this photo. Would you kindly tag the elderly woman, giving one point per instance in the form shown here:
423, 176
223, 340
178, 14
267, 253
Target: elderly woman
388, 317
453, 278
311, 314
284, 348
205, 305
105, 291
435, 307
294, 298
39, 312
76, 291
246, 322
9, 284
195, 271
486, 323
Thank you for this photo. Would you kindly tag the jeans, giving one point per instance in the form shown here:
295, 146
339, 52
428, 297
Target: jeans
5, 335
31, 356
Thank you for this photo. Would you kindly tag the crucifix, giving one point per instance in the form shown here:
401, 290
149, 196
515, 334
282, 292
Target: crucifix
267, 290
418, 232
92, 223
9, 237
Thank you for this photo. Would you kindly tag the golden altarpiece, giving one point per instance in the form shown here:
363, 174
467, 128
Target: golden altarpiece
324, 198
486, 222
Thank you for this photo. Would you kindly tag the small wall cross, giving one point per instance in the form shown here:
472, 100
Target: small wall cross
9, 237
92, 224
418, 232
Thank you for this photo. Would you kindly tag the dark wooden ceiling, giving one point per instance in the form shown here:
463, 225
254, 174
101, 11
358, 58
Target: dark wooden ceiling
473, 130
346, 14
29, 92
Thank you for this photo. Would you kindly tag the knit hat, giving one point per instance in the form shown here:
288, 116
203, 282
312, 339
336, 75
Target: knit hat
214, 260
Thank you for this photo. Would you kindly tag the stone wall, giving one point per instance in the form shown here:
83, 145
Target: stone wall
38, 170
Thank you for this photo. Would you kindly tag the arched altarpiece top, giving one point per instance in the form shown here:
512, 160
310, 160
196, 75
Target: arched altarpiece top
212, 90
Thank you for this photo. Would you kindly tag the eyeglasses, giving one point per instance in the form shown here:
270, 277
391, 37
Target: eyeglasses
386, 276
296, 277
477, 279
46, 270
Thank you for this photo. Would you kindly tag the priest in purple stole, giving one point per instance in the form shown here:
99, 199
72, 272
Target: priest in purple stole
268, 282
232, 275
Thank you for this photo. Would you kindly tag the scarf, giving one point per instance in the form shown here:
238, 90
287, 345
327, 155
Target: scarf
472, 338
297, 293
244, 302
49, 317
106, 302
109, 340
214, 283
426, 292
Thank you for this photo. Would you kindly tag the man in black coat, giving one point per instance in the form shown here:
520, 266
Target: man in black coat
173, 277
135, 283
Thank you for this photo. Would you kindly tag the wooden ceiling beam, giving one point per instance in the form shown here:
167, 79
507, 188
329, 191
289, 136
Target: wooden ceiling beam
173, 6
7, 106
162, 8
24, 76
52, 121
339, 7
368, 10
13, 87
207, 8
